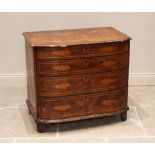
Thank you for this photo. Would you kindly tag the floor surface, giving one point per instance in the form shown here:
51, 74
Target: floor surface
16, 125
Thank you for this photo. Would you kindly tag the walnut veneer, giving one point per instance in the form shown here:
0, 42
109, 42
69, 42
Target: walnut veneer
76, 74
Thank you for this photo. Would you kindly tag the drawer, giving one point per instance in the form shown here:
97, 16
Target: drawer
83, 105
85, 65
108, 49
51, 53
88, 83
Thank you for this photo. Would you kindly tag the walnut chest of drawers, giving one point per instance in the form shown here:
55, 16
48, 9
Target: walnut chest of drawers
76, 74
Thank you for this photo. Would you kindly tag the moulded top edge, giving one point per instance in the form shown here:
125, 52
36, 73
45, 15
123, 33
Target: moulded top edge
64, 38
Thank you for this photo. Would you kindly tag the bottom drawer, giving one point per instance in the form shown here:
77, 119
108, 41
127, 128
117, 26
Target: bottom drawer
83, 105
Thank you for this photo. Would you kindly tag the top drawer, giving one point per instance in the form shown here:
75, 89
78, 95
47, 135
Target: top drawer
50, 53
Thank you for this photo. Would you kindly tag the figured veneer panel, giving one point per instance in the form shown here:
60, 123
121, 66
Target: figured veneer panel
86, 65
60, 86
47, 53
76, 74
83, 105
31, 81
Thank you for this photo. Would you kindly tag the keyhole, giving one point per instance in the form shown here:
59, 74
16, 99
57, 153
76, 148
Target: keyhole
86, 97
86, 49
86, 62
85, 77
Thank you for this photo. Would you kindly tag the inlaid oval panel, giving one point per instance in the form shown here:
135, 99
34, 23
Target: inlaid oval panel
62, 86
62, 107
88, 83
86, 65
78, 106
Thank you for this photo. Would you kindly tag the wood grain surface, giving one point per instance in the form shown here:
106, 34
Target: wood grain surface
61, 38
76, 106
77, 74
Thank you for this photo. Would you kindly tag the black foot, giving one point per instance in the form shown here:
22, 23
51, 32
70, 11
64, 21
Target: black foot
41, 127
123, 116
127, 107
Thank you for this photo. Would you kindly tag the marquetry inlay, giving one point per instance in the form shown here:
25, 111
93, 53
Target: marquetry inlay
62, 86
77, 74
63, 107
61, 67
106, 81
107, 102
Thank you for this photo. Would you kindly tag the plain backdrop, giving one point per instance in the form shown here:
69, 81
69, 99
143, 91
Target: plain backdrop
139, 26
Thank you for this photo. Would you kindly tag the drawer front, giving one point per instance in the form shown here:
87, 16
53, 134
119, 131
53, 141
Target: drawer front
50, 53
83, 105
85, 65
108, 49
61, 86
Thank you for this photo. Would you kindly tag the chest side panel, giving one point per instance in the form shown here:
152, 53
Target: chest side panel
31, 80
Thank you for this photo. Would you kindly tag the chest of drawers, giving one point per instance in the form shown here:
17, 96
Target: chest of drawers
76, 74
